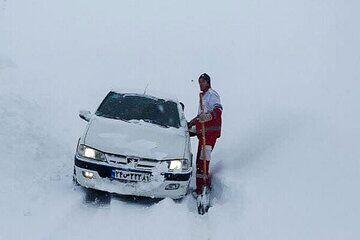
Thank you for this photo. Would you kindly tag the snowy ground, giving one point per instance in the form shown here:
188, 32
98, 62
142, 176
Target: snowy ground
287, 165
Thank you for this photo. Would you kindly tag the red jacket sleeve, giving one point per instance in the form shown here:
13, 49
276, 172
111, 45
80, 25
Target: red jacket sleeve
212, 127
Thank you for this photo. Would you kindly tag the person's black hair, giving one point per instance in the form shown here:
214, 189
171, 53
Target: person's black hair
206, 77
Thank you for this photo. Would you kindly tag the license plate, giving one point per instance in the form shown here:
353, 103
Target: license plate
131, 176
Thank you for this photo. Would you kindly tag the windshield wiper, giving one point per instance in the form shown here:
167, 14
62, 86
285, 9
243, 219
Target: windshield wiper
111, 117
155, 122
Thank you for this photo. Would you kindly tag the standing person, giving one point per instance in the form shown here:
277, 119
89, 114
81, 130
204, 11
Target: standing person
209, 116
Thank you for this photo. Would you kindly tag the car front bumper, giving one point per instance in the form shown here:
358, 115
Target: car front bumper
157, 188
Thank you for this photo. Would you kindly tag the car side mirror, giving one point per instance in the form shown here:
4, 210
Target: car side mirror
86, 115
192, 131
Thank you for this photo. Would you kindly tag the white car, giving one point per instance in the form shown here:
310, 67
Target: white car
135, 144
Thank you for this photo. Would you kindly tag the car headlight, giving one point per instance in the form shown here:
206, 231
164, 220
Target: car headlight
175, 165
89, 152
179, 164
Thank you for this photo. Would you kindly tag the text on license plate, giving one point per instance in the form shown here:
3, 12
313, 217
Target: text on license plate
131, 176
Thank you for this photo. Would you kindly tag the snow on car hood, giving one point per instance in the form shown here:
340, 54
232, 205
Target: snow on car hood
135, 138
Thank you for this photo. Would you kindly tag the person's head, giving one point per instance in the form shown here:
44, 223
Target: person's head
204, 82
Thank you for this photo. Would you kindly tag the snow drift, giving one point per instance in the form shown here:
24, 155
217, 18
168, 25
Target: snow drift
287, 165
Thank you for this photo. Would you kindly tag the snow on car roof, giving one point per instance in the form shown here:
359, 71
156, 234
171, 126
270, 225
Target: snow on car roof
148, 93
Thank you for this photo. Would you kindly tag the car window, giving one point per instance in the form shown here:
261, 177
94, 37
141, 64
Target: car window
137, 107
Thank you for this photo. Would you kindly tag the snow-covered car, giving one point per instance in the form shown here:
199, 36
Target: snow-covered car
135, 144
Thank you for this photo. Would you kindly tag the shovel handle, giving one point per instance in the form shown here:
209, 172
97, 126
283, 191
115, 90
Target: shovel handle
202, 110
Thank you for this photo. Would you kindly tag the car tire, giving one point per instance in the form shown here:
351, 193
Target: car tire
75, 182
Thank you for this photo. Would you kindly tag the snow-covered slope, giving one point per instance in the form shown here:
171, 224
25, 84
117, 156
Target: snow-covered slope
287, 165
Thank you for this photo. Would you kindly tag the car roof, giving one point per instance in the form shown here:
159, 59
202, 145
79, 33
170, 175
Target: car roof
147, 93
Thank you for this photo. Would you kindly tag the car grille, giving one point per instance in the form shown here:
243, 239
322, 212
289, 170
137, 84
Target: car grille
106, 171
141, 163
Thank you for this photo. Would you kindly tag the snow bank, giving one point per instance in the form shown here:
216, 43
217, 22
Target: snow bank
287, 165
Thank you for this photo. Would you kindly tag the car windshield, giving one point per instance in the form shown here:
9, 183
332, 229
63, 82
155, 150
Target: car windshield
139, 107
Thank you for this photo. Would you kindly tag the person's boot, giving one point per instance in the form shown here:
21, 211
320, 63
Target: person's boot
203, 201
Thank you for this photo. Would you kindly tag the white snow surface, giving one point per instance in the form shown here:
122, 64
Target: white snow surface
287, 164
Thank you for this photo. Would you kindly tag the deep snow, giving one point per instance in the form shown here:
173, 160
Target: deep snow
287, 165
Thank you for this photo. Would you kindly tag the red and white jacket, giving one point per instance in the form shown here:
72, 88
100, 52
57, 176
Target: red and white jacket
212, 105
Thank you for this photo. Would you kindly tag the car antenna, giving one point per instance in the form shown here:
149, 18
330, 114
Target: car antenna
145, 89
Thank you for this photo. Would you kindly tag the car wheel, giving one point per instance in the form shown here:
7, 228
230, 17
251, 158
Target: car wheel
96, 197
75, 182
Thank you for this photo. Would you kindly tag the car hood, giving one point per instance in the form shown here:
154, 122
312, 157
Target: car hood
135, 138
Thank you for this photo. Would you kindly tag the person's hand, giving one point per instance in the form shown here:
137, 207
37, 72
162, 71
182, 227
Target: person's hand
205, 117
192, 122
